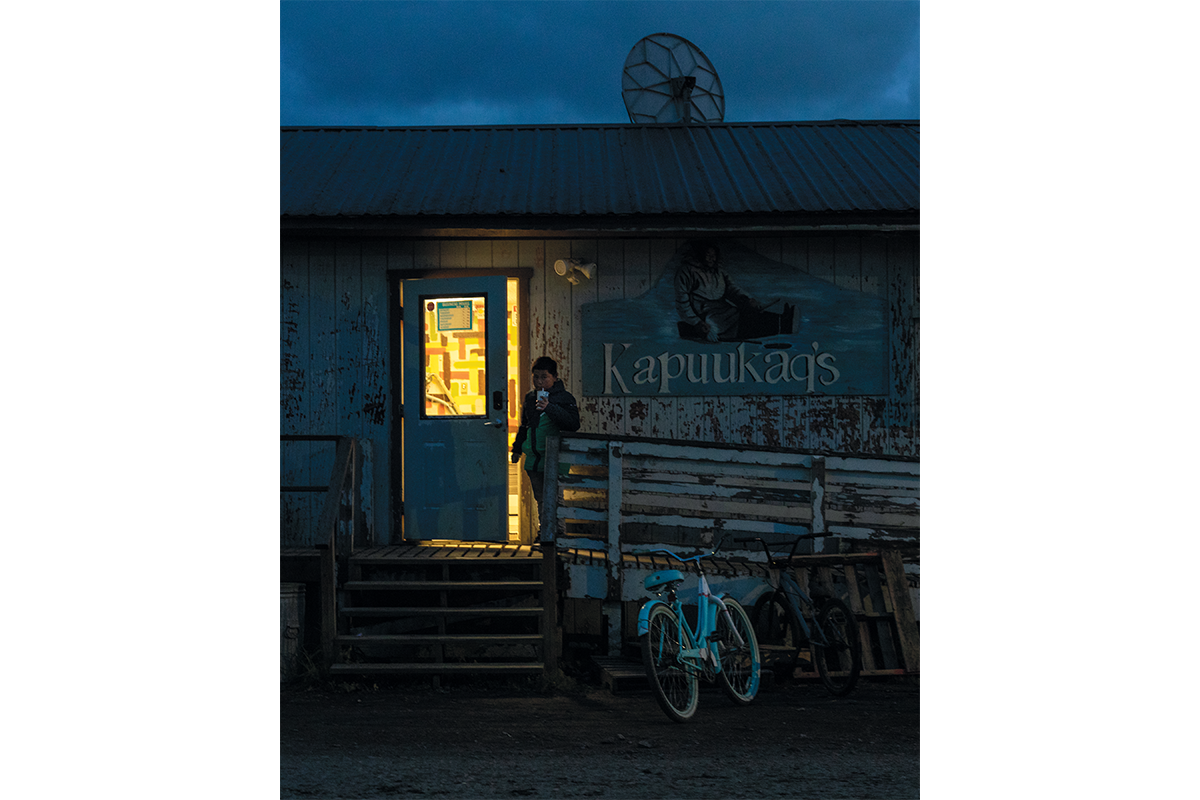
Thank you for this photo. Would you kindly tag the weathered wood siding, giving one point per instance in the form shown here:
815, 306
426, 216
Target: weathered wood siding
334, 376
335, 362
876, 264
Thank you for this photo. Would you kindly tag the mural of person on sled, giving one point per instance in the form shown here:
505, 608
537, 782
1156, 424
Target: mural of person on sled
723, 319
713, 308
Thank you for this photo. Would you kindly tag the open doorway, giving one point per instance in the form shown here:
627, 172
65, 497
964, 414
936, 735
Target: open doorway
463, 373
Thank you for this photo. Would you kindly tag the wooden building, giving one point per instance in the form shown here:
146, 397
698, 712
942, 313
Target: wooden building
424, 269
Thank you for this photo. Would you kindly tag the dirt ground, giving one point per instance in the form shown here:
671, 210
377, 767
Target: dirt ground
504, 739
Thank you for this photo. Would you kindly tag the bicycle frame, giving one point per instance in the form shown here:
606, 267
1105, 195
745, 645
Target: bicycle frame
796, 596
834, 643
696, 646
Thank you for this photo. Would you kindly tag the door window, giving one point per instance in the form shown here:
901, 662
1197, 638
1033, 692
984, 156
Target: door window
454, 352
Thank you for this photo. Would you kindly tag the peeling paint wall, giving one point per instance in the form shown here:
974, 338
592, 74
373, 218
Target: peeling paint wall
334, 376
335, 361
877, 264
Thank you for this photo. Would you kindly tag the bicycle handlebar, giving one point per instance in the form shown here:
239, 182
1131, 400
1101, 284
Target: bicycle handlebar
775, 561
675, 556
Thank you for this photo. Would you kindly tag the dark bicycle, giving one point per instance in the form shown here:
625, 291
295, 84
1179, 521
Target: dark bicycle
787, 621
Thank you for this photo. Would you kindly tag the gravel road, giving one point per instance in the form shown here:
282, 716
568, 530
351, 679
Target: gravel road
508, 739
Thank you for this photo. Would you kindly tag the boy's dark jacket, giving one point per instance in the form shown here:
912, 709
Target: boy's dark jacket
561, 415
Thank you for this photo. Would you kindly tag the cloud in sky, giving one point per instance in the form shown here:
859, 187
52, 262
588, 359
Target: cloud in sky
441, 62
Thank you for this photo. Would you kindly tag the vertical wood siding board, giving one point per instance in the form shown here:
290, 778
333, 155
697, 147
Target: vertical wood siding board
533, 255
606, 414
794, 253
610, 269
686, 419
478, 254
874, 265
751, 418
323, 362
586, 291
558, 308
348, 337
504, 253
874, 422
770, 429
852, 414
427, 254
902, 343
823, 422
637, 416
916, 360
454, 253
710, 425
787, 422
915, 258
637, 268
377, 417
915, 267
602, 415
665, 418
293, 323
848, 262
719, 416
636, 283
821, 257
764, 420
661, 253
399, 254
295, 509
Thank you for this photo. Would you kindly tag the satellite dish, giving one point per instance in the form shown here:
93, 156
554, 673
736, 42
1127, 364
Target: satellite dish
668, 79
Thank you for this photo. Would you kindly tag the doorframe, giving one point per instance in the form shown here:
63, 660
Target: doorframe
395, 312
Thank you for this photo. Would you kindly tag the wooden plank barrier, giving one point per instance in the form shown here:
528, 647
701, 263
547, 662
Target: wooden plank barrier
620, 493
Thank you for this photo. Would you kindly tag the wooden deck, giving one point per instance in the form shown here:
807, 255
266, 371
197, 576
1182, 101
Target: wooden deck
449, 550
424, 551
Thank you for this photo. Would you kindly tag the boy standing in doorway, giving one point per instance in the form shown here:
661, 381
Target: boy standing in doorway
549, 409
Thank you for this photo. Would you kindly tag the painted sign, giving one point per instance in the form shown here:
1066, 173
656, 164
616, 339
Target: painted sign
724, 320
454, 315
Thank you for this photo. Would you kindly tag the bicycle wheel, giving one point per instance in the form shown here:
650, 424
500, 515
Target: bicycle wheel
740, 663
839, 662
676, 687
779, 634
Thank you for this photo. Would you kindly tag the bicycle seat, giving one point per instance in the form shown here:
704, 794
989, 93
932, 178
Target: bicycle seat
663, 576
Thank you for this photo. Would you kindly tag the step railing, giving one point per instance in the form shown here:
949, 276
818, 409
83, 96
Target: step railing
342, 482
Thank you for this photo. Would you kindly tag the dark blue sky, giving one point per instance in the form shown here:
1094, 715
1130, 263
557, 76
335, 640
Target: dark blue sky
438, 62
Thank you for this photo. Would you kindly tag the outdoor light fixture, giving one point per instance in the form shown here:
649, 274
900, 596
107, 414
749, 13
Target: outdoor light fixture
572, 268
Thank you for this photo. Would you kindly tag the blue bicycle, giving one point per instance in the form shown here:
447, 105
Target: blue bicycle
721, 647
788, 621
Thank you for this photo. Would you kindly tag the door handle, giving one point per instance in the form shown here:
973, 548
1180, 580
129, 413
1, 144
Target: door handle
497, 422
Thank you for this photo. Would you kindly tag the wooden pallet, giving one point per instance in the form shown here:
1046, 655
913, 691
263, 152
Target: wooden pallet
875, 588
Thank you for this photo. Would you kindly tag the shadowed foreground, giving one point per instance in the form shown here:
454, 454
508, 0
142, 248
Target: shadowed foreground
501, 740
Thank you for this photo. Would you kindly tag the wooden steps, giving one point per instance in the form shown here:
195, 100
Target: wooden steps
420, 638
434, 611
436, 669
620, 674
441, 611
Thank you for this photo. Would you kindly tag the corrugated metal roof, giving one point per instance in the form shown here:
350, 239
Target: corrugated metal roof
584, 170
